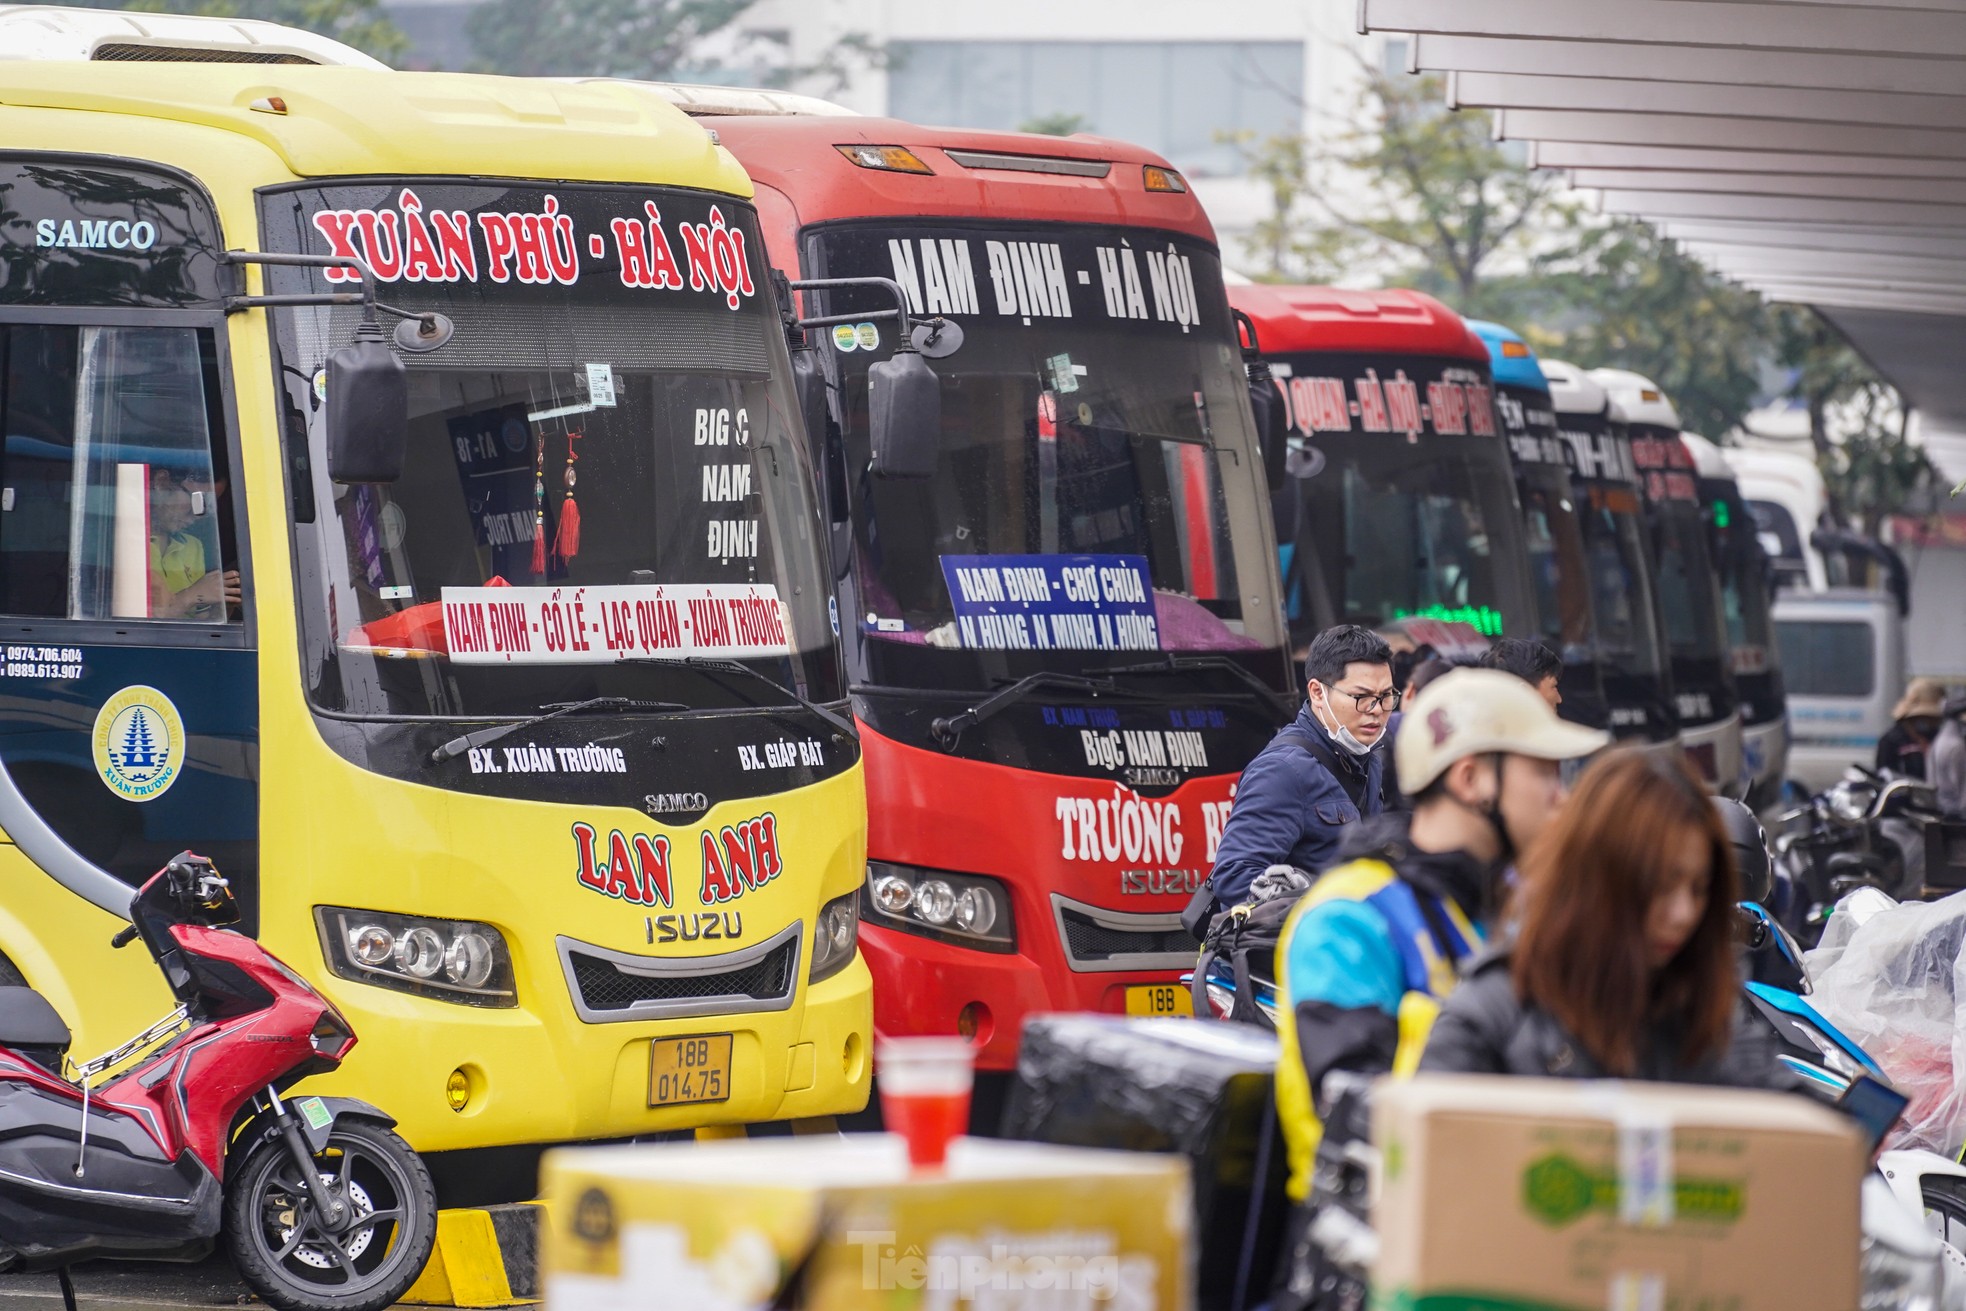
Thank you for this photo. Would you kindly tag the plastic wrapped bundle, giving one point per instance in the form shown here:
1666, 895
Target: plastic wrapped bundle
1195, 1088
1896, 985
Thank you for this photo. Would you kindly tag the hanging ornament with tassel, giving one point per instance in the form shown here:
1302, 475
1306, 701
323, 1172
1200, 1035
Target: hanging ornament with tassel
539, 507
566, 544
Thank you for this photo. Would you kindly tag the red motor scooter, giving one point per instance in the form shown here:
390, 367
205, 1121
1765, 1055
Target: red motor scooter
322, 1206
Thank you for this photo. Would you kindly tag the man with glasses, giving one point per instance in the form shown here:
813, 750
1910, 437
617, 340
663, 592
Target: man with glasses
1316, 776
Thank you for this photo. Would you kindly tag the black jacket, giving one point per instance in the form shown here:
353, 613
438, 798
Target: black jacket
1902, 748
1483, 1029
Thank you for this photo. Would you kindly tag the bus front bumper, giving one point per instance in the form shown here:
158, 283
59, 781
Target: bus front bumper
533, 1078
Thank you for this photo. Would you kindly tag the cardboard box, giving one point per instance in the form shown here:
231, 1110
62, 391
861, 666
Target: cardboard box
722, 1226
1560, 1195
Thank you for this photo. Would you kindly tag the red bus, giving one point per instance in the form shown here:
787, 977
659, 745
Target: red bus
1399, 508
1063, 644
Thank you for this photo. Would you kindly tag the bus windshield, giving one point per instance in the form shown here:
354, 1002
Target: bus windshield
1396, 511
1553, 533
1621, 580
1096, 488
1744, 577
1689, 595
1632, 659
601, 467
1745, 580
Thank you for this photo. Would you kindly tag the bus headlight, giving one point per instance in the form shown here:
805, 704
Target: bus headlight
458, 961
834, 936
967, 909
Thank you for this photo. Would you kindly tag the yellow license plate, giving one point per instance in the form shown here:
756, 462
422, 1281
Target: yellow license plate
686, 1070
1160, 999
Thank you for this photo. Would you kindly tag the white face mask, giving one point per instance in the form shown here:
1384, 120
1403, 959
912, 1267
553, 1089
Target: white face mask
1339, 733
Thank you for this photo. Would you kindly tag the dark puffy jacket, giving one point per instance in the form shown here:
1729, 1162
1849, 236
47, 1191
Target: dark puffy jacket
1291, 810
1483, 1029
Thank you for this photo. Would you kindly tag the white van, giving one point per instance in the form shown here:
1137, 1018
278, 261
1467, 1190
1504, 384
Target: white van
1843, 660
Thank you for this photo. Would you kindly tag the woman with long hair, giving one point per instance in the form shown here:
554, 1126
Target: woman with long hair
1623, 961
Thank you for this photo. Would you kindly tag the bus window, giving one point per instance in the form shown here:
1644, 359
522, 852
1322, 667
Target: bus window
112, 484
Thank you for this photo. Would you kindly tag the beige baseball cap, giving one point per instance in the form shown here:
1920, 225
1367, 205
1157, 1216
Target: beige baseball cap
1472, 712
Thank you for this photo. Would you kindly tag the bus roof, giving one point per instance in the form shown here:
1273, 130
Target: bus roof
1708, 462
701, 100
61, 32
1292, 320
1019, 176
1509, 357
1639, 398
329, 122
1572, 390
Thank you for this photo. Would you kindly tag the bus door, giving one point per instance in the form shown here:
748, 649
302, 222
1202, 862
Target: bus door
128, 692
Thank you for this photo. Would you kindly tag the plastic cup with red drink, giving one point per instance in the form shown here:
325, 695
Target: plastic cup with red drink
925, 1085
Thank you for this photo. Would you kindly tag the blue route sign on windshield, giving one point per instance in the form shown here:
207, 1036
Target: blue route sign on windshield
1053, 602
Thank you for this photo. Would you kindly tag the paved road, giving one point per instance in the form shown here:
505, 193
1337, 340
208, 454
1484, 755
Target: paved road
107, 1284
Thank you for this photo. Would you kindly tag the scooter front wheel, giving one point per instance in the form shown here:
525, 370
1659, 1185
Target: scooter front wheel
287, 1252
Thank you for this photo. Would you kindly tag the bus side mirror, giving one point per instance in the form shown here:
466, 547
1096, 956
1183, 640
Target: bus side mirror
904, 412
368, 410
1272, 434
809, 380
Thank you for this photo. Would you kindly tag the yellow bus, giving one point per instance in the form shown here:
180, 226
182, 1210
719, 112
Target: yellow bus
402, 504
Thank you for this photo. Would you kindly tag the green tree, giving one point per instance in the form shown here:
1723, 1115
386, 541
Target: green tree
649, 39
1622, 296
1826, 371
1407, 186
359, 23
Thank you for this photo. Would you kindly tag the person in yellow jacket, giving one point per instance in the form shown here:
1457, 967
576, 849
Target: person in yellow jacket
1377, 940
183, 583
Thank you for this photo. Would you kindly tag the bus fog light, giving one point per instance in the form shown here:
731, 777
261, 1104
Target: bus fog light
372, 944
935, 902
976, 911
420, 954
469, 960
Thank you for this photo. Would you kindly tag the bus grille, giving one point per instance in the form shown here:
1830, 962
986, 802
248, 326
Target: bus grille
1099, 939
610, 985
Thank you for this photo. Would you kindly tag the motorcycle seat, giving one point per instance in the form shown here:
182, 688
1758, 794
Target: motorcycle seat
27, 1020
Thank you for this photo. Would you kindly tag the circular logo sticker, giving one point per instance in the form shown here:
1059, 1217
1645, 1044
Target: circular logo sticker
139, 743
593, 1217
845, 337
868, 335
515, 435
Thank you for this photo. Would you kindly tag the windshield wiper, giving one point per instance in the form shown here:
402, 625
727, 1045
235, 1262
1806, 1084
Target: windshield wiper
1176, 664
457, 746
947, 729
713, 668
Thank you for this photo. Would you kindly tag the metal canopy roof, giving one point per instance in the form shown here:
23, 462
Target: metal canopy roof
1814, 150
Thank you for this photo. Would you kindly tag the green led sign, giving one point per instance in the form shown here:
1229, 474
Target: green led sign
1481, 618
1720, 514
